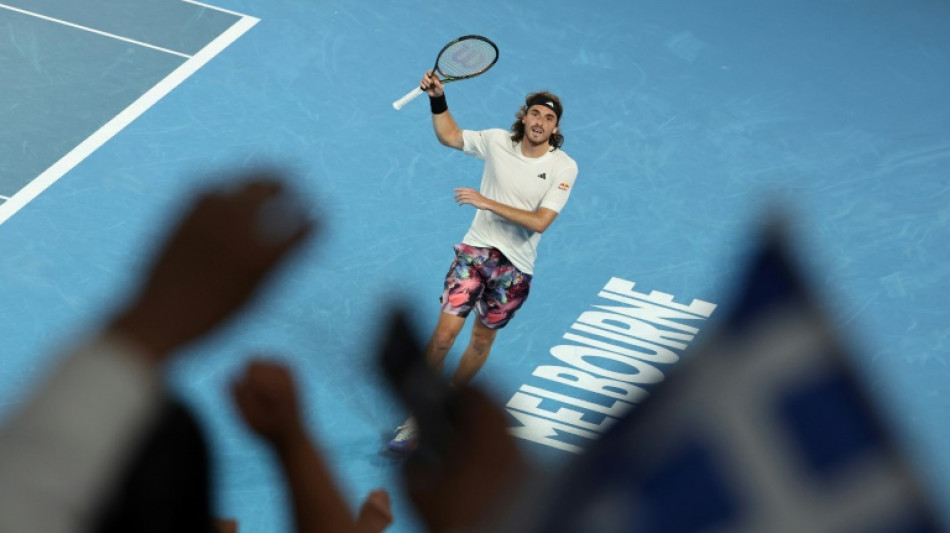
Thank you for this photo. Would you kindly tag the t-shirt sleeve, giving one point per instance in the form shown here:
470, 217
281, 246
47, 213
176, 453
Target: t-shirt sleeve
556, 197
478, 143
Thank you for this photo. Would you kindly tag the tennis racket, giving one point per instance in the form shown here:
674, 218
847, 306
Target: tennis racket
463, 58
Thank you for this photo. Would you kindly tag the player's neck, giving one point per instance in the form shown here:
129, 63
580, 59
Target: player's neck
533, 150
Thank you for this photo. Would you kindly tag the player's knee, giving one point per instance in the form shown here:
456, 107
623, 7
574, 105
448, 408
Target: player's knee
482, 340
443, 340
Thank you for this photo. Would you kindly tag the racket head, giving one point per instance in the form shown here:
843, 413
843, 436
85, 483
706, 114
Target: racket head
466, 57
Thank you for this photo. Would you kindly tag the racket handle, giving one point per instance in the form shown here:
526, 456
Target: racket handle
410, 96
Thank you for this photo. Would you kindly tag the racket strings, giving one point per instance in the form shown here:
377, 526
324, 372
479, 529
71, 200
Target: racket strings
467, 58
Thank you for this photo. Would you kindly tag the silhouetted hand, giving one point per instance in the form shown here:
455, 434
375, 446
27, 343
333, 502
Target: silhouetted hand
213, 262
375, 514
267, 400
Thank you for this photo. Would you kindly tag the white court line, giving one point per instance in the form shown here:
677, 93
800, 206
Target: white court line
93, 30
216, 8
124, 118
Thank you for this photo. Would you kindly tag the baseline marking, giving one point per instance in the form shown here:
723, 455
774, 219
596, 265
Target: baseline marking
216, 8
93, 30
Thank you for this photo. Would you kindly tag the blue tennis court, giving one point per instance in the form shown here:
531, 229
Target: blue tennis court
693, 124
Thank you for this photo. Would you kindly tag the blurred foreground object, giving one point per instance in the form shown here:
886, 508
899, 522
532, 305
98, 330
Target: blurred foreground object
764, 428
101, 446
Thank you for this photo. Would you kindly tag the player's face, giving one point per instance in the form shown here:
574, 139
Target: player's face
540, 123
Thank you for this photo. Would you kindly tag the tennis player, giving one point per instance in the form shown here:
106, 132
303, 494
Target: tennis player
526, 182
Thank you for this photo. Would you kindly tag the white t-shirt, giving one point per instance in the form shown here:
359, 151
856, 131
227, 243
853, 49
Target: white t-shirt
518, 181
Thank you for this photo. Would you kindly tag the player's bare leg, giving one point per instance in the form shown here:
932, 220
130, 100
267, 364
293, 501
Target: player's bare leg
475, 354
446, 331
443, 338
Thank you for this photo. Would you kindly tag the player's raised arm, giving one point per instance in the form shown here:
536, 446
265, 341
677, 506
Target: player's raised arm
446, 130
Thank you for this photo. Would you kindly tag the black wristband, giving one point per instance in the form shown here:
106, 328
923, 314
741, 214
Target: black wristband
438, 104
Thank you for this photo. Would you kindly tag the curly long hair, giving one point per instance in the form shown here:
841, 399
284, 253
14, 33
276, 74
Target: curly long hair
517, 128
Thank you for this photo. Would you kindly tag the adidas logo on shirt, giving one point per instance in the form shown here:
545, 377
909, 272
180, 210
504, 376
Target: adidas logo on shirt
543, 175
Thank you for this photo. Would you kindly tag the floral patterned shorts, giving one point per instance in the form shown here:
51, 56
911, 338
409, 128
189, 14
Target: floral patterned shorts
484, 279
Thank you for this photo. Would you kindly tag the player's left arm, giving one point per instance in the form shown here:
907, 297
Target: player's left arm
538, 220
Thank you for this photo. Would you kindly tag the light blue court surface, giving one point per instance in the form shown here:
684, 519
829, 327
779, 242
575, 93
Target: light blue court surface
692, 123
